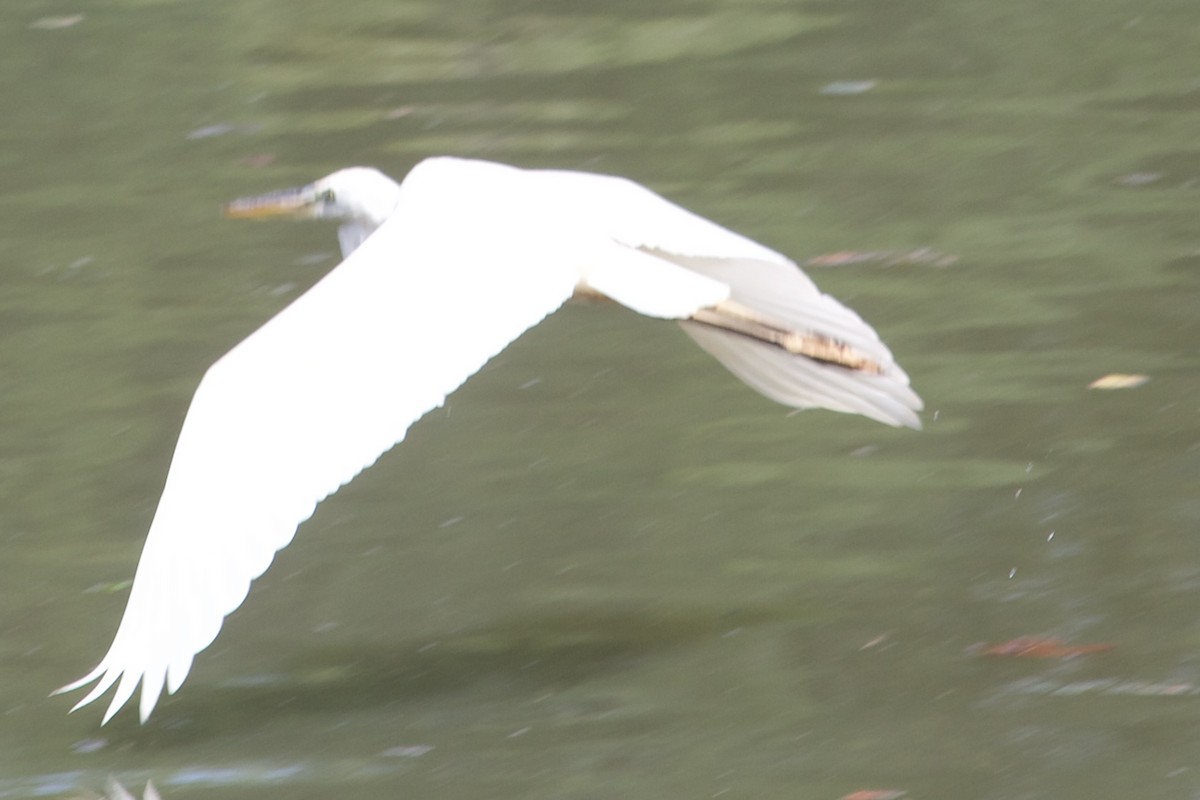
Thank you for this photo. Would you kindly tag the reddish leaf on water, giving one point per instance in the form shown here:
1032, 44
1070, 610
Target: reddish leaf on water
875, 794
1043, 647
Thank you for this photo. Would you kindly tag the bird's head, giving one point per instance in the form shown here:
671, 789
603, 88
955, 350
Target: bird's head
359, 194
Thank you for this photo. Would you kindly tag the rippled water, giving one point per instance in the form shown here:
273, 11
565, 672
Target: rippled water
607, 568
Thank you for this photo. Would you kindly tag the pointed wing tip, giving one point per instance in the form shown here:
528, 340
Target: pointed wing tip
79, 684
892, 417
113, 708
892, 405
107, 679
146, 705
902, 406
910, 418
911, 415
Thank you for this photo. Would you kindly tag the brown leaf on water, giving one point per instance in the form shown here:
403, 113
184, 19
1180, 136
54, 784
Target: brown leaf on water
1119, 380
1043, 647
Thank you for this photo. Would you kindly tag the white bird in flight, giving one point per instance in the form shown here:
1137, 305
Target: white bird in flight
440, 273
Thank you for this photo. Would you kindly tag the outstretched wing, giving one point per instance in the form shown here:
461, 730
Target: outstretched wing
308, 401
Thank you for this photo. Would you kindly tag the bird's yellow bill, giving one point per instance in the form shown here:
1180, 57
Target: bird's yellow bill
286, 203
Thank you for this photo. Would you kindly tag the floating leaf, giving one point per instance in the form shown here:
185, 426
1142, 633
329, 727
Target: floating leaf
1043, 647
1119, 380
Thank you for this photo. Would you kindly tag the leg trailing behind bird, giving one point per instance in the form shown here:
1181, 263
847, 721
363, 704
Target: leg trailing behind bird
736, 318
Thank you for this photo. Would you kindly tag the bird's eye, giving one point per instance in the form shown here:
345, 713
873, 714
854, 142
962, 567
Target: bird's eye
327, 196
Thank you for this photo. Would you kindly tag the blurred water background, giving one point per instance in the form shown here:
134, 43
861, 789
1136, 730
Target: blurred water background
607, 569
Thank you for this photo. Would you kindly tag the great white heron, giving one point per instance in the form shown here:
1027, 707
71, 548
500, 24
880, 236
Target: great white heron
441, 272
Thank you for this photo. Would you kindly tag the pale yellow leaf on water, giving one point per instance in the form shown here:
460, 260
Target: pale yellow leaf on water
1118, 380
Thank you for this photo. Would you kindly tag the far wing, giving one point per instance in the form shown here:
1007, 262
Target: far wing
303, 405
782, 292
758, 278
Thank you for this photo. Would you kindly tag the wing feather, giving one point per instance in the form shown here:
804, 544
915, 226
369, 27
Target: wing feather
304, 404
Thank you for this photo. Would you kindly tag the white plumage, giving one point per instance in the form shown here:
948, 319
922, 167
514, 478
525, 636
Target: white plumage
441, 272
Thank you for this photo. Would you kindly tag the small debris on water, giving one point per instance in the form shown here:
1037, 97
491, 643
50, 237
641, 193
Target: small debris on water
108, 587
257, 160
1042, 647
56, 23
1103, 686
878, 640
407, 751
222, 129
1119, 380
85, 746
920, 257
1139, 178
848, 88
